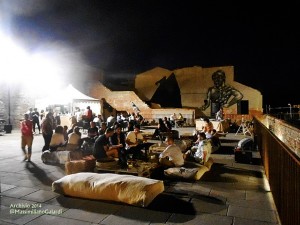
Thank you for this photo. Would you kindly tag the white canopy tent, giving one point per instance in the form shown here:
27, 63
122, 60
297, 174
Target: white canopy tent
69, 98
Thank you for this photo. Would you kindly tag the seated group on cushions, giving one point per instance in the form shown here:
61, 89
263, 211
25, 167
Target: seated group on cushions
201, 151
116, 144
172, 156
61, 140
162, 127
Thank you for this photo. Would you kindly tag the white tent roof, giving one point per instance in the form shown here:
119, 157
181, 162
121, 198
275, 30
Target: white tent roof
74, 94
64, 96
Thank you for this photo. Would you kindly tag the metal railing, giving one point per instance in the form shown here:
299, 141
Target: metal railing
282, 168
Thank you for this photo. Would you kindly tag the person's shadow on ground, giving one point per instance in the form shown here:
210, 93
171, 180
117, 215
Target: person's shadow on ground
39, 173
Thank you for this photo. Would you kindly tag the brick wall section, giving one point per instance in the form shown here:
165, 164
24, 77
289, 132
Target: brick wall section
21, 99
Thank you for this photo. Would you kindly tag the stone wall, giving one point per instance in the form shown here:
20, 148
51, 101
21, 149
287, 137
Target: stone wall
194, 83
288, 134
121, 101
21, 99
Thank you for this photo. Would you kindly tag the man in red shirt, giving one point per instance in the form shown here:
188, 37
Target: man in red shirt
27, 136
89, 114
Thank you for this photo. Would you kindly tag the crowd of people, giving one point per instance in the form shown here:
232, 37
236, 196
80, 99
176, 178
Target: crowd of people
108, 139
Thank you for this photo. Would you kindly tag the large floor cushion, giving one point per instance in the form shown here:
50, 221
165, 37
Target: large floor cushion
190, 171
133, 190
186, 173
86, 164
60, 157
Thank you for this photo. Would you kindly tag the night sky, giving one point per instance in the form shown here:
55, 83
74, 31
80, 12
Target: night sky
129, 37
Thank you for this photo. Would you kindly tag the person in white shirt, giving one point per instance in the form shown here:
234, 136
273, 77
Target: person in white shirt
75, 137
203, 151
57, 138
78, 115
134, 142
173, 119
172, 155
220, 115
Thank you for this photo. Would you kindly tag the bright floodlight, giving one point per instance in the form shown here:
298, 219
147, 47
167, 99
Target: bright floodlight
17, 66
13, 60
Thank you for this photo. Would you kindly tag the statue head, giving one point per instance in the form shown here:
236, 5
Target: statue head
219, 78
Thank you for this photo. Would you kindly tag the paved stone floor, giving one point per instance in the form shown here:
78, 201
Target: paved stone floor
229, 194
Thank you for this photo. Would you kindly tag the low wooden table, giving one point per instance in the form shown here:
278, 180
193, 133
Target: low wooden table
139, 168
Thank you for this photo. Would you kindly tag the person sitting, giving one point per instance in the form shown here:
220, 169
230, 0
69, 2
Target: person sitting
139, 118
102, 148
98, 120
208, 127
65, 132
75, 137
134, 142
180, 120
130, 126
110, 120
167, 123
117, 140
202, 152
57, 139
172, 155
173, 119
93, 130
220, 115
215, 141
102, 129
161, 127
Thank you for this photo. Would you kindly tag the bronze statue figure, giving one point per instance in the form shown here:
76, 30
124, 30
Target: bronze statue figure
221, 93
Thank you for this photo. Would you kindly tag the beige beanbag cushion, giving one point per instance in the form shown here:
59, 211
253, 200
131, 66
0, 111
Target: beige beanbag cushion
190, 171
186, 173
86, 164
133, 190
56, 157
209, 163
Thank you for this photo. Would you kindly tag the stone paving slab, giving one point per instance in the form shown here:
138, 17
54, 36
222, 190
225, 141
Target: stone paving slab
134, 215
19, 192
241, 221
51, 220
40, 196
201, 219
253, 214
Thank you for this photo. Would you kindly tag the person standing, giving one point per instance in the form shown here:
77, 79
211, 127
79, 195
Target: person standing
36, 120
47, 130
27, 137
42, 114
29, 112
89, 114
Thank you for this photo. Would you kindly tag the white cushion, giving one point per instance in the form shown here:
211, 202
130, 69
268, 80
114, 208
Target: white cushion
60, 157
133, 190
186, 173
